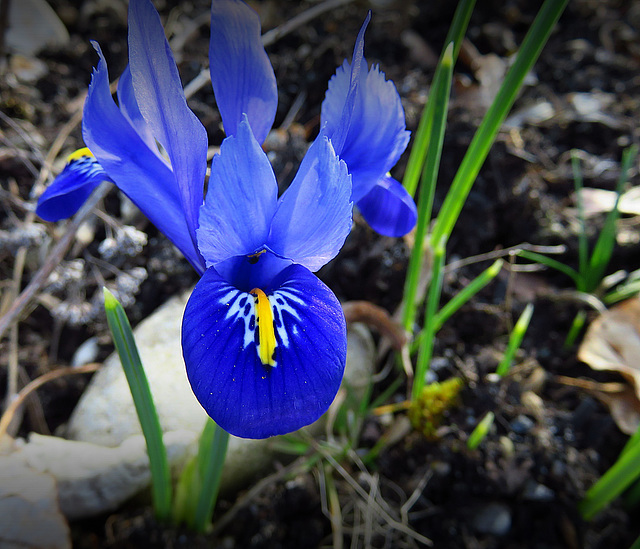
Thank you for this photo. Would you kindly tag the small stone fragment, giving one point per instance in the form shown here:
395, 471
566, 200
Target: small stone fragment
494, 519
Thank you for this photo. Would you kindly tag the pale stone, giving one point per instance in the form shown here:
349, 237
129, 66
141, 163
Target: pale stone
33, 25
29, 514
106, 414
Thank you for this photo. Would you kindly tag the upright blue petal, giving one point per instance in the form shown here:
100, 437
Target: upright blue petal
388, 208
160, 97
314, 214
268, 362
363, 116
72, 187
338, 123
241, 199
241, 73
137, 170
129, 108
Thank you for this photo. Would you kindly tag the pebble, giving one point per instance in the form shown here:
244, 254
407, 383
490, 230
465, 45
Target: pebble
521, 425
86, 353
534, 491
33, 25
494, 519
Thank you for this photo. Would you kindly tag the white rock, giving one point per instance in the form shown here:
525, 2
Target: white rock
106, 415
93, 479
33, 25
29, 512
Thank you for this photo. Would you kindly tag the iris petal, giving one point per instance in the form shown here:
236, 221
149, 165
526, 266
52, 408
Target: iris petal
161, 99
241, 73
370, 136
135, 169
245, 397
313, 217
129, 107
388, 208
241, 199
342, 107
72, 187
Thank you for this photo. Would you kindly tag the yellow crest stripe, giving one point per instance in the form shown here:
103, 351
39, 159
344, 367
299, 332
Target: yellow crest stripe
266, 333
80, 153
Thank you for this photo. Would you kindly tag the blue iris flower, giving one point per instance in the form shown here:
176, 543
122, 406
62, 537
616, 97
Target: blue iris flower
264, 340
363, 116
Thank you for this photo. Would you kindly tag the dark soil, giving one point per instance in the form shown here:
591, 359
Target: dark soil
520, 488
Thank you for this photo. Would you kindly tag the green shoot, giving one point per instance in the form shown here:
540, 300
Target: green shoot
212, 451
515, 339
198, 485
462, 297
617, 479
418, 153
431, 308
481, 431
575, 329
591, 269
129, 357
440, 98
482, 141
603, 248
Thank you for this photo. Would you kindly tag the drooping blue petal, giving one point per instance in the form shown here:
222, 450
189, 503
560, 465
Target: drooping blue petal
388, 208
221, 347
160, 97
372, 138
313, 217
241, 199
135, 169
129, 107
241, 73
72, 187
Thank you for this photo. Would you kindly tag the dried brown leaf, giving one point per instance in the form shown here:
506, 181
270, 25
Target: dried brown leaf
612, 342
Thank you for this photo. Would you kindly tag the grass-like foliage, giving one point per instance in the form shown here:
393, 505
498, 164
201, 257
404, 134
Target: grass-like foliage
592, 265
425, 157
198, 485
624, 472
143, 400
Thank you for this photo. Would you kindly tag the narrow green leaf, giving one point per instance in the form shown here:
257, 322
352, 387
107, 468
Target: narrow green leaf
138, 385
480, 432
554, 264
575, 329
515, 339
636, 544
619, 477
583, 244
462, 297
456, 34
482, 141
433, 300
470, 290
440, 98
625, 290
211, 455
603, 248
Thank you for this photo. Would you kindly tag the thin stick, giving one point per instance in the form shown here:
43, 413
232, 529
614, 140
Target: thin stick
52, 260
6, 418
